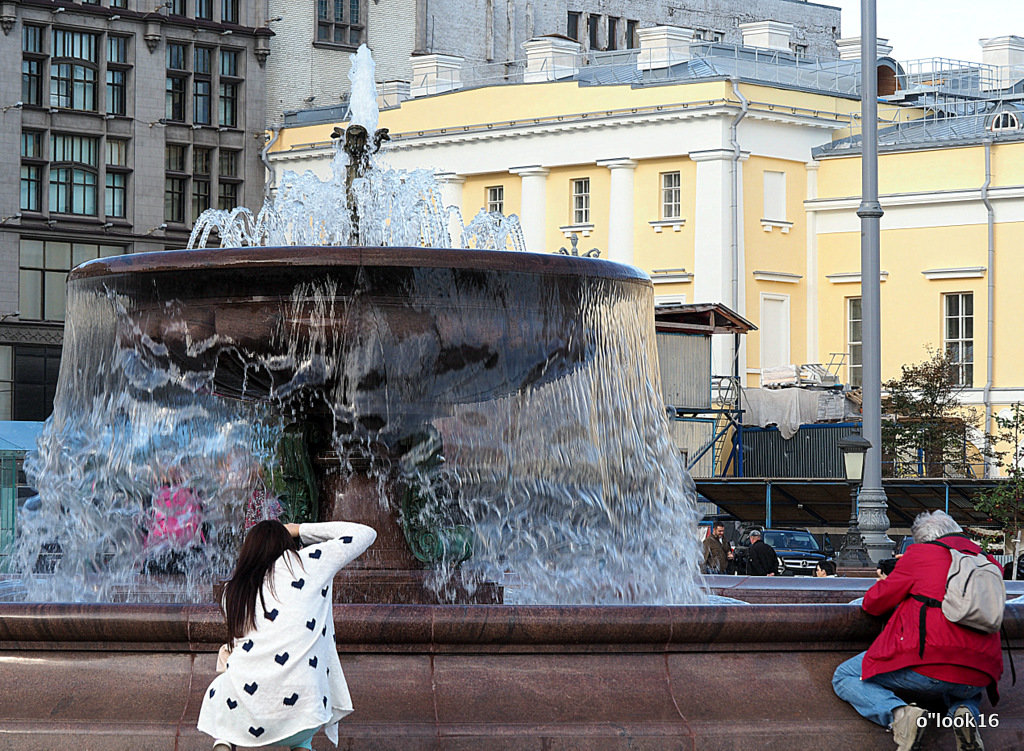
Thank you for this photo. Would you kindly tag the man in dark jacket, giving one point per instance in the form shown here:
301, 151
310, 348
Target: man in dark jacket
761, 558
953, 666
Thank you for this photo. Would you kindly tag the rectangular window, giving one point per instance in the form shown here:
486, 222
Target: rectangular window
959, 337
201, 64
227, 164
774, 196
116, 91
31, 187
6, 380
174, 157
227, 198
581, 201
229, 63
32, 39
174, 199
115, 194
117, 50
118, 3
227, 114
201, 102
32, 144
68, 148
73, 71
200, 160
496, 199
200, 197
854, 342
43, 267
671, 206
73, 174
204, 10
117, 152
176, 7
613, 30
572, 25
32, 82
339, 22
176, 55
632, 40
593, 24
174, 108
229, 11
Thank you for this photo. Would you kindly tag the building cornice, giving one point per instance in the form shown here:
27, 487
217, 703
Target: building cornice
966, 272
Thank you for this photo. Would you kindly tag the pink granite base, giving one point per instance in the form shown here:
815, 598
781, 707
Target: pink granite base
98, 678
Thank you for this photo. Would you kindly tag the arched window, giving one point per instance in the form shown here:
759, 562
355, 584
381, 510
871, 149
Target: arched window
1005, 121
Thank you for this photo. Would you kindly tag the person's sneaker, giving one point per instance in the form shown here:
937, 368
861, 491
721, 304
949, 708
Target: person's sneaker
222, 746
908, 727
965, 730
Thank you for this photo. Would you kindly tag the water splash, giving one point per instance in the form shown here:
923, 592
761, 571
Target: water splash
524, 413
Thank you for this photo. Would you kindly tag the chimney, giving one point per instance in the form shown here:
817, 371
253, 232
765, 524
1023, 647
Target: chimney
663, 47
849, 48
392, 93
1006, 54
768, 35
551, 57
435, 74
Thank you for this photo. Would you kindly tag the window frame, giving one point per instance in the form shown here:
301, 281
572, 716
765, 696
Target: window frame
854, 343
671, 195
580, 200
495, 199
959, 348
331, 31
74, 79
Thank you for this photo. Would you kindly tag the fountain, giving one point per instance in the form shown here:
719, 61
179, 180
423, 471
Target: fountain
491, 412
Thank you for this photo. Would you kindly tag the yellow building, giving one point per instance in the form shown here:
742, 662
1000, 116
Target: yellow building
732, 175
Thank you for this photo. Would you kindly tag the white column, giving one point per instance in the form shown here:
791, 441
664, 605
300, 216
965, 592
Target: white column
811, 270
712, 251
620, 209
451, 195
533, 212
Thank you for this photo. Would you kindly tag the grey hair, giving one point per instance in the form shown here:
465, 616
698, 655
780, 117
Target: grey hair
931, 525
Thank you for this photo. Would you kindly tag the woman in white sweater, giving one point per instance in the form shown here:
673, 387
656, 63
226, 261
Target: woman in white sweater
283, 680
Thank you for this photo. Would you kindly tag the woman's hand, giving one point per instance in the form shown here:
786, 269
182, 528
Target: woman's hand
293, 530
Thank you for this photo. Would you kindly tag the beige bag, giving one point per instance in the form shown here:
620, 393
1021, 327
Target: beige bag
222, 657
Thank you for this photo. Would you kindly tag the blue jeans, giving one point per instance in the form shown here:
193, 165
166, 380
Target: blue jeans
302, 739
877, 697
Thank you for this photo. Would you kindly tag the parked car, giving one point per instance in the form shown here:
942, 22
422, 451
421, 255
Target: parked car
799, 553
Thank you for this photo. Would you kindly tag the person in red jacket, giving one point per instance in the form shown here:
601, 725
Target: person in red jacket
952, 667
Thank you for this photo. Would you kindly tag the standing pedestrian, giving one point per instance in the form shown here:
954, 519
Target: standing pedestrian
761, 557
717, 554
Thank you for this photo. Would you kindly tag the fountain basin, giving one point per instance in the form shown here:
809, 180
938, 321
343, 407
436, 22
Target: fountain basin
472, 677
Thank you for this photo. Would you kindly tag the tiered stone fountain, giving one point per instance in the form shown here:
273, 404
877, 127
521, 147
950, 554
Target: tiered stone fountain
495, 414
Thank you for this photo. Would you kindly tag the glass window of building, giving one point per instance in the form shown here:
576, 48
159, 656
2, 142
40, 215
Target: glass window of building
572, 25
6, 380
229, 11
632, 39
593, 28
671, 201
32, 61
204, 9
32, 166
228, 179
958, 336
200, 180
227, 112
73, 70
581, 201
613, 30
496, 199
73, 172
854, 342
340, 22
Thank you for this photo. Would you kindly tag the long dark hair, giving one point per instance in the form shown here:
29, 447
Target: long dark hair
265, 543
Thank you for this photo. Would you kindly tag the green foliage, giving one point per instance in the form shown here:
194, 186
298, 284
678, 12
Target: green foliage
929, 423
1005, 502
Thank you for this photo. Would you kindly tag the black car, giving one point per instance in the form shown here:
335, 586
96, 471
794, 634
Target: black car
799, 553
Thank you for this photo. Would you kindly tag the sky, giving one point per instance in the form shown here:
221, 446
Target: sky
936, 28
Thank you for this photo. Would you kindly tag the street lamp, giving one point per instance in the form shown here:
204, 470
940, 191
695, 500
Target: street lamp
853, 554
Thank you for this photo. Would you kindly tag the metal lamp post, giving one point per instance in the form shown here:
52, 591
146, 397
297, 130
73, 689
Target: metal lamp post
873, 502
853, 553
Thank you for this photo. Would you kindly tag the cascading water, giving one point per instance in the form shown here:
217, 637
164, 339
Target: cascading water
506, 405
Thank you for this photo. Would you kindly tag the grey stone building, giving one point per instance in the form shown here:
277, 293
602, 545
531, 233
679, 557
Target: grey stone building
314, 38
128, 122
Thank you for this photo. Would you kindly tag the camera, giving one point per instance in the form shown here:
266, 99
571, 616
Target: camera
886, 565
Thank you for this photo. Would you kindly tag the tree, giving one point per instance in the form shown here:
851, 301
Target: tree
928, 424
1005, 502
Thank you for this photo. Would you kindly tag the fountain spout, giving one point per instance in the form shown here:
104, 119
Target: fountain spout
356, 143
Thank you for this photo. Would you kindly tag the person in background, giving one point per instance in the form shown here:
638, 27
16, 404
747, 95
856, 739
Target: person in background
825, 568
282, 680
761, 557
920, 655
717, 554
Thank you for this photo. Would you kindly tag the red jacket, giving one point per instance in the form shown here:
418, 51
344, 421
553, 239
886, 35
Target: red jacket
922, 571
